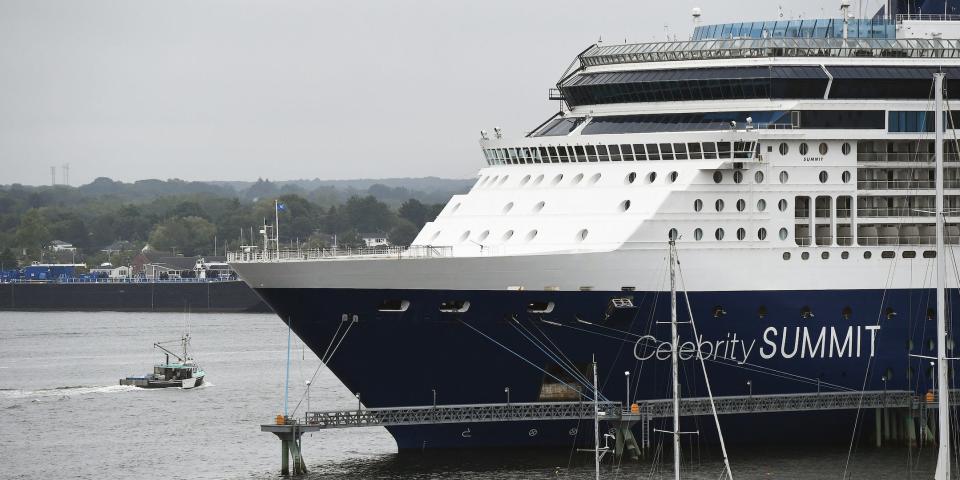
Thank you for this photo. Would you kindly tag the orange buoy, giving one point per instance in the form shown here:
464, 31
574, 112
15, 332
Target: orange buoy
930, 397
634, 408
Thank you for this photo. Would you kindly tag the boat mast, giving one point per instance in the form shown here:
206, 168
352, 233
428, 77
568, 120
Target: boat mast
596, 423
943, 385
674, 341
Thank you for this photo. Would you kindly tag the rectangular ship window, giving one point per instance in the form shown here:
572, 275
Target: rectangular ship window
639, 152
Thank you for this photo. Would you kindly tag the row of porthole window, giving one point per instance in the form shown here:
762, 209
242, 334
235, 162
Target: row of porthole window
823, 148
509, 234
718, 205
738, 177
651, 177
720, 234
867, 255
497, 180
741, 204
758, 177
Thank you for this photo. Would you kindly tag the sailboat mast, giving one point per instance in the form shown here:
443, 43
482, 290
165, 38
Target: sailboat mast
596, 422
674, 342
943, 385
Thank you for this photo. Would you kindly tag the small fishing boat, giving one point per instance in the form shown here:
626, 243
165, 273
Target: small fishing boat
184, 373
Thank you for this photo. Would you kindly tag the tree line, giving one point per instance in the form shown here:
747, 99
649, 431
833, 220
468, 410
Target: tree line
192, 218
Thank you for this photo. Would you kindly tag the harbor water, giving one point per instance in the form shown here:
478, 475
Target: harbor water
65, 416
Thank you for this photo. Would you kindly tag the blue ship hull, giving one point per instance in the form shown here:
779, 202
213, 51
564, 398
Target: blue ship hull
761, 342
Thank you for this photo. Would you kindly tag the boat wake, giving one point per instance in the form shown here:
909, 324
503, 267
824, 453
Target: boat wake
65, 391
205, 384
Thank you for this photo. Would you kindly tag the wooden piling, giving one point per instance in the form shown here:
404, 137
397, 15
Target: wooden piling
877, 427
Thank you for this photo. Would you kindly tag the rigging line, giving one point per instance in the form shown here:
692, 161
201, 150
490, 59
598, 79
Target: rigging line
323, 363
866, 374
324, 356
558, 349
564, 363
610, 374
558, 357
550, 355
663, 270
756, 367
573, 448
706, 379
731, 362
521, 357
949, 325
630, 326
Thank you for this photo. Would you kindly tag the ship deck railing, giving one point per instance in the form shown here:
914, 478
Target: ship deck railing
770, 48
300, 255
920, 157
927, 17
125, 280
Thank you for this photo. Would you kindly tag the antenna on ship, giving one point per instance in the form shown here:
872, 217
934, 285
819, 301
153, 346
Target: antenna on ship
844, 11
695, 13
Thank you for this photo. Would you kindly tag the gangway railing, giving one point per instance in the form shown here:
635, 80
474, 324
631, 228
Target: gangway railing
649, 409
797, 402
481, 413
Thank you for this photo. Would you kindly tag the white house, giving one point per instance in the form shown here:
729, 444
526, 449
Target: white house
375, 239
61, 246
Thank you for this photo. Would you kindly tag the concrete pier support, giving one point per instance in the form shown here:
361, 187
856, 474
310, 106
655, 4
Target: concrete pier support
878, 427
928, 426
290, 450
886, 425
626, 443
911, 428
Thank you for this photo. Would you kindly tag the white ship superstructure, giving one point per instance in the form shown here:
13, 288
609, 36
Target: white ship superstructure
793, 162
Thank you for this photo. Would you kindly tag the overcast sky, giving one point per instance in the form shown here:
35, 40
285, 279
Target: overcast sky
236, 90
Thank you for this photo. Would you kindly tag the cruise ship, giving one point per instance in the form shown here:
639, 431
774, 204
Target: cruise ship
792, 161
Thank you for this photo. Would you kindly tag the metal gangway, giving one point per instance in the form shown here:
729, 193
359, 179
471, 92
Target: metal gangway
495, 412
290, 429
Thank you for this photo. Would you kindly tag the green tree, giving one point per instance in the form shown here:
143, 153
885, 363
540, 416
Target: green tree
367, 214
403, 234
32, 234
187, 235
8, 260
189, 208
350, 239
299, 219
70, 228
414, 211
261, 190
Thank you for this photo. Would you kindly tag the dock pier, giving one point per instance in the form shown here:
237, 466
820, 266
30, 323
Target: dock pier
898, 415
